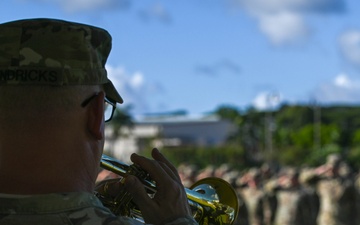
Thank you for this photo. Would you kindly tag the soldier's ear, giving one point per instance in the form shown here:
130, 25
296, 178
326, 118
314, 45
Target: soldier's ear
95, 122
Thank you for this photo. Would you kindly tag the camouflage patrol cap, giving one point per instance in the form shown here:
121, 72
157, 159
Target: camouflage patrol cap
54, 52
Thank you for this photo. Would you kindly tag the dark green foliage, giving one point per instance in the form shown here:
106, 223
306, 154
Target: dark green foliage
202, 157
354, 156
300, 134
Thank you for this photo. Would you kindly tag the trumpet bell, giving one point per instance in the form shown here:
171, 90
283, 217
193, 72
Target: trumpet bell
217, 198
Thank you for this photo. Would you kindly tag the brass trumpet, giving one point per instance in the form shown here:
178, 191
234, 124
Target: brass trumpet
212, 200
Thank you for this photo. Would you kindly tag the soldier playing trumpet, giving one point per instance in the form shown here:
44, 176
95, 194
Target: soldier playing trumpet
54, 91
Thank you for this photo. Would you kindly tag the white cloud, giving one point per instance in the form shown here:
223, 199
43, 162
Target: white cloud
349, 43
83, 5
156, 11
283, 21
305, 6
342, 89
343, 81
133, 88
283, 27
137, 80
73, 6
267, 101
260, 101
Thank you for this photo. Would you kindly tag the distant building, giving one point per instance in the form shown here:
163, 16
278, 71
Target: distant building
168, 131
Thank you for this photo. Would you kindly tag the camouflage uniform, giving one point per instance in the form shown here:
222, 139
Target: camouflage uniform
66, 208
337, 202
337, 195
308, 185
254, 203
293, 203
253, 198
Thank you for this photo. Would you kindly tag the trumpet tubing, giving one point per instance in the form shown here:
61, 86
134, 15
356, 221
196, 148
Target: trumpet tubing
212, 200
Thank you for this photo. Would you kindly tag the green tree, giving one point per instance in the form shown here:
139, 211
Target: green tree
121, 118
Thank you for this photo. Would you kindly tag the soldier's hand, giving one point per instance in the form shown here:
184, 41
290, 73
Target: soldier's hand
170, 201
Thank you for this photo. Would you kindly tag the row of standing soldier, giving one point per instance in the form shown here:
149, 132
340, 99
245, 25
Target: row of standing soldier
325, 195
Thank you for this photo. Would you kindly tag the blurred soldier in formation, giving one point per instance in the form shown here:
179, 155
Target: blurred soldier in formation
187, 173
293, 203
309, 186
251, 191
206, 172
337, 194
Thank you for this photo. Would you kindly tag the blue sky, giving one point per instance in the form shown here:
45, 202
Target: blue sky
197, 55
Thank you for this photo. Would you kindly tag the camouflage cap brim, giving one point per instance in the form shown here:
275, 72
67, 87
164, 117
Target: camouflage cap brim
112, 93
54, 52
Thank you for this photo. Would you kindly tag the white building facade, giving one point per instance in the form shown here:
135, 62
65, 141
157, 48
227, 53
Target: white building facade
167, 131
